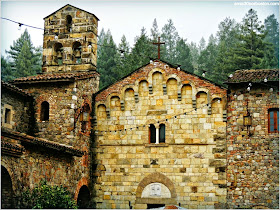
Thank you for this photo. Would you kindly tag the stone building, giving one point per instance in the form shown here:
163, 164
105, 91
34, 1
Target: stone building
46, 131
253, 139
160, 136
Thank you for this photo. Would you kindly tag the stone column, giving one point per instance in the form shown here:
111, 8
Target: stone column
157, 134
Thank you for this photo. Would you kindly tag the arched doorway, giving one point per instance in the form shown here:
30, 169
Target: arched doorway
156, 190
6, 190
83, 197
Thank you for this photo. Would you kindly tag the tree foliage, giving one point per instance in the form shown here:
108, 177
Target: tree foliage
245, 45
249, 51
44, 196
106, 59
24, 59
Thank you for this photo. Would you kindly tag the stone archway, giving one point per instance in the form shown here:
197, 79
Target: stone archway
83, 198
7, 193
157, 179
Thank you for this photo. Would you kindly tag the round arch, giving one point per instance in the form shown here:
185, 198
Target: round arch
153, 178
7, 192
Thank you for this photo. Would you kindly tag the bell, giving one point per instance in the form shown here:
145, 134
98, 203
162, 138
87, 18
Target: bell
59, 54
77, 53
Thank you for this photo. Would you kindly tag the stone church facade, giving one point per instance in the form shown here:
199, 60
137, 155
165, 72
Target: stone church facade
159, 136
161, 127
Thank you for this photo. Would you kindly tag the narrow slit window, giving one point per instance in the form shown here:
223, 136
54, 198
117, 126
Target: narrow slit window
7, 116
152, 133
45, 109
162, 133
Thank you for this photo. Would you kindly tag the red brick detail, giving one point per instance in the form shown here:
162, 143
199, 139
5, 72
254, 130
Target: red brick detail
143, 72
83, 181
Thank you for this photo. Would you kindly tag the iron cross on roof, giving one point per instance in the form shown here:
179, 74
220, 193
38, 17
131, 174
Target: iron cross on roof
158, 44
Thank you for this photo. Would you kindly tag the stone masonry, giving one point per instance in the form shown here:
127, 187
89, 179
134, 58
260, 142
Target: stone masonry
252, 151
188, 167
50, 139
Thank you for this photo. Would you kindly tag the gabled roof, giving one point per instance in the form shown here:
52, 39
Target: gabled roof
14, 89
169, 64
254, 75
55, 77
69, 5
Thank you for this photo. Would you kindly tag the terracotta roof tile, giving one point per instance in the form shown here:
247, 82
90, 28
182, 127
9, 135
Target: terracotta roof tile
256, 76
40, 141
14, 89
53, 77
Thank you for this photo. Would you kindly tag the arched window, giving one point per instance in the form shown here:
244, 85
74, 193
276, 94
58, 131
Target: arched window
273, 120
152, 133
77, 50
45, 107
68, 23
161, 133
57, 53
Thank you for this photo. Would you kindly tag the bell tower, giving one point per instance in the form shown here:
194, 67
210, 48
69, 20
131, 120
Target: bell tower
70, 41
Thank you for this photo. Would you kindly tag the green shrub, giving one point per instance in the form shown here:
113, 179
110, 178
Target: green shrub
44, 196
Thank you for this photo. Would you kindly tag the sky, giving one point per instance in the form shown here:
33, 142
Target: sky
192, 19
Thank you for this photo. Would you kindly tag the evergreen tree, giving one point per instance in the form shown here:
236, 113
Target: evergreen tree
194, 51
249, 52
183, 57
227, 39
271, 26
107, 59
170, 37
201, 45
207, 59
25, 58
123, 64
6, 70
154, 31
142, 51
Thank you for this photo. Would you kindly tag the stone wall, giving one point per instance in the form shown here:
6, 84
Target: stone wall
38, 163
188, 168
66, 32
252, 152
64, 126
66, 100
20, 111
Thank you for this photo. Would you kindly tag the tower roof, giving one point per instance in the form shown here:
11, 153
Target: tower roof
69, 5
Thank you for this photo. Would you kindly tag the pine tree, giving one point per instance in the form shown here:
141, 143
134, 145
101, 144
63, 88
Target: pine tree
201, 45
207, 59
170, 37
25, 58
227, 39
249, 52
123, 64
107, 59
142, 51
154, 31
271, 26
6, 70
194, 51
183, 55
